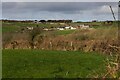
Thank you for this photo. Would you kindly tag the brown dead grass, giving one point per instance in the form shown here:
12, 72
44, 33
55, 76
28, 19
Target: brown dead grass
86, 40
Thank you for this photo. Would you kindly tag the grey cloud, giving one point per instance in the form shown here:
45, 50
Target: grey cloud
34, 9
60, 0
63, 7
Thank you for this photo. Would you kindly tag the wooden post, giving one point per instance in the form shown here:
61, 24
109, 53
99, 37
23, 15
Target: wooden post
71, 44
112, 13
50, 44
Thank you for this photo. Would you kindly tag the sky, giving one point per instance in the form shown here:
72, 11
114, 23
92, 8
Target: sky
76, 11
60, 0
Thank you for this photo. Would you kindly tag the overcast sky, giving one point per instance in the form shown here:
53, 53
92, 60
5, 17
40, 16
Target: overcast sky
77, 11
60, 0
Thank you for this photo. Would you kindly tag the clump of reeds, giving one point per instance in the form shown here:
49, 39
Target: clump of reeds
112, 66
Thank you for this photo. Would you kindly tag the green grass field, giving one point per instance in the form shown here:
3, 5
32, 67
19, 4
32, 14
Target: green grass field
9, 27
51, 64
56, 64
15, 26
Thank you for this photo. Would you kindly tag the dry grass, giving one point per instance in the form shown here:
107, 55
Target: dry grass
86, 40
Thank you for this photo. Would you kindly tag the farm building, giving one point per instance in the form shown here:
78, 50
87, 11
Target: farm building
66, 28
30, 28
61, 28
83, 26
72, 28
69, 27
45, 29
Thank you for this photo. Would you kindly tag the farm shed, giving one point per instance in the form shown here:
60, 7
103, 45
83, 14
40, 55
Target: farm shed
61, 28
30, 28
83, 26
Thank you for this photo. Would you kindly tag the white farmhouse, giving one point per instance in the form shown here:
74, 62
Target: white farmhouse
67, 27
83, 26
45, 29
30, 28
60, 28
72, 28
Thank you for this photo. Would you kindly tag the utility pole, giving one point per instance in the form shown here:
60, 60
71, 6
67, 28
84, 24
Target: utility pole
112, 13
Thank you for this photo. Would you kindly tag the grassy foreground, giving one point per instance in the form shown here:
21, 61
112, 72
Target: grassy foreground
51, 64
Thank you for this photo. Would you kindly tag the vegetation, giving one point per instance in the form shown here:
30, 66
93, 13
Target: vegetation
6, 27
58, 54
51, 64
64, 32
13, 26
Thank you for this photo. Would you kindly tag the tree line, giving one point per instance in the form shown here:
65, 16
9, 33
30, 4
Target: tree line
61, 21
42, 21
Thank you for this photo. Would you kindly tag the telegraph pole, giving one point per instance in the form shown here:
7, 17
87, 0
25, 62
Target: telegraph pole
112, 13
119, 22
